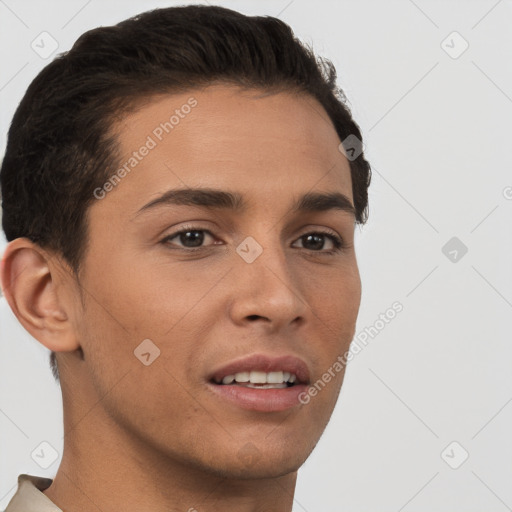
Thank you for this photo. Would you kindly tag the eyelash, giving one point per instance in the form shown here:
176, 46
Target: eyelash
337, 241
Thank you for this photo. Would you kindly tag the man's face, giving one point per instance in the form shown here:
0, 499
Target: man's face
202, 299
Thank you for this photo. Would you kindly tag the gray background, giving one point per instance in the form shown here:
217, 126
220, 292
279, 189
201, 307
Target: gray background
437, 132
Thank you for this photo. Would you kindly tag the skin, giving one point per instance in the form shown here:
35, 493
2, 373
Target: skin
154, 437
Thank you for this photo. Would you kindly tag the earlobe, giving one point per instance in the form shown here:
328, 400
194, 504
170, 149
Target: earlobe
30, 289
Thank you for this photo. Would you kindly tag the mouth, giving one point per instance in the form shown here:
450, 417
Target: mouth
257, 379
261, 383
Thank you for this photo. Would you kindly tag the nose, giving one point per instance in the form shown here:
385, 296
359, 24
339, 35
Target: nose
267, 291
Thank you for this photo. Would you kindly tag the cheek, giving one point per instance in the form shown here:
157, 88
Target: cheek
150, 299
335, 307
152, 308
115, 323
335, 296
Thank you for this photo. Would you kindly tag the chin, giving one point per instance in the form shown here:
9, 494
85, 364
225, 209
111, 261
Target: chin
258, 470
250, 462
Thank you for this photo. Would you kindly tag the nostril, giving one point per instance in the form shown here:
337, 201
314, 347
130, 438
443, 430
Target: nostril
256, 317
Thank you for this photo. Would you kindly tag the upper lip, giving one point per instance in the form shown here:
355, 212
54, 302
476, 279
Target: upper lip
264, 363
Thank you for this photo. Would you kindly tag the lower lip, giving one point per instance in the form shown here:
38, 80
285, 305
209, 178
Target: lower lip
262, 400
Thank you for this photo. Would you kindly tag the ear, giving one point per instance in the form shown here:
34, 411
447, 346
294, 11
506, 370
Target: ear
30, 283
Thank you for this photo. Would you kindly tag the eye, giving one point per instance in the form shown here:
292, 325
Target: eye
191, 237
315, 241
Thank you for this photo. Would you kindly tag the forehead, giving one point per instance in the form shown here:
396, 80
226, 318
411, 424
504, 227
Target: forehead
225, 137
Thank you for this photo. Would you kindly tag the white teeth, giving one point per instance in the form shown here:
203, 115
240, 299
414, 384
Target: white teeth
260, 378
274, 377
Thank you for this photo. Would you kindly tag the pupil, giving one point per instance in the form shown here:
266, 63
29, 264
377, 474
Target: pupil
192, 238
317, 241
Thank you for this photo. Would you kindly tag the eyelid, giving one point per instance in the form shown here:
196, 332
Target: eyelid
184, 229
337, 240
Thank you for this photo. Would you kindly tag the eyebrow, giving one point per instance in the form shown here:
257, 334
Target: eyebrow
219, 199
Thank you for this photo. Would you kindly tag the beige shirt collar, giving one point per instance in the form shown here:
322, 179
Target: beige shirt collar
29, 496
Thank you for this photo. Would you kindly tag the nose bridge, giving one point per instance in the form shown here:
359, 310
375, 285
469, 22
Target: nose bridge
264, 255
267, 285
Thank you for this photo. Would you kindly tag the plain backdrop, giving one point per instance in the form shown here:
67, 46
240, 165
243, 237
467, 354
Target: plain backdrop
424, 418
